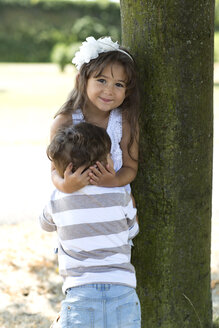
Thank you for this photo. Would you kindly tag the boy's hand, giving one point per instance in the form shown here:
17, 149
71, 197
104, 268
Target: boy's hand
102, 176
72, 181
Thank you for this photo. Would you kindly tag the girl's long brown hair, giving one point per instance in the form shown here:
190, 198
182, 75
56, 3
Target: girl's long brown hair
129, 107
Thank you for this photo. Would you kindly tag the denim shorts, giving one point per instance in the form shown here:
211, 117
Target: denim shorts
101, 306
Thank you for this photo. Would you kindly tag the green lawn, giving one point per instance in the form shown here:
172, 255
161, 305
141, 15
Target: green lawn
216, 101
30, 94
216, 46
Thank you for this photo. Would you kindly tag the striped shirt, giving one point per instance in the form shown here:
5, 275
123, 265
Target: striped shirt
94, 227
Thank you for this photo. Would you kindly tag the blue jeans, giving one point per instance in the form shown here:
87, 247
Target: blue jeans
101, 306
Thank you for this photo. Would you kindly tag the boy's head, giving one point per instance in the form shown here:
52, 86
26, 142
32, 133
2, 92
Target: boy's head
81, 144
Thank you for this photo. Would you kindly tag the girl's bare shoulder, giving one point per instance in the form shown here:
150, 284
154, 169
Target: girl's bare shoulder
60, 121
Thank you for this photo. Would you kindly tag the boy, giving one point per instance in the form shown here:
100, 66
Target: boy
95, 226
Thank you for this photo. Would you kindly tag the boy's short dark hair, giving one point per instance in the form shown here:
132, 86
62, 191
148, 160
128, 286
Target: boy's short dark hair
81, 144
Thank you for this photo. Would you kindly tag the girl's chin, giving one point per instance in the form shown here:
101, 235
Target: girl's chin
104, 108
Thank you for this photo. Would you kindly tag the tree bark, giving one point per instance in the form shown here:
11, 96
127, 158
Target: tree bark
172, 42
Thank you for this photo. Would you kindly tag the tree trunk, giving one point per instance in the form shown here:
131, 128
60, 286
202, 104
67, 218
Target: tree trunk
172, 42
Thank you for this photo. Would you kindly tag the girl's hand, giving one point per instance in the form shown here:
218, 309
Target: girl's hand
102, 176
71, 181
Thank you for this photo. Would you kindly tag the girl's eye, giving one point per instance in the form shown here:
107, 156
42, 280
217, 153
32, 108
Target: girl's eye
101, 80
120, 85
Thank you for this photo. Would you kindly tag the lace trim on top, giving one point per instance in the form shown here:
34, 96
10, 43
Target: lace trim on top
78, 117
114, 129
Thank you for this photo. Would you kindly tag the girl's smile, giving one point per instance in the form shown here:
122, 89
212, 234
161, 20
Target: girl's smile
106, 100
107, 90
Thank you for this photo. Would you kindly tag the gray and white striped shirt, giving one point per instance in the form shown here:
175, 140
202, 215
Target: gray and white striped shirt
94, 226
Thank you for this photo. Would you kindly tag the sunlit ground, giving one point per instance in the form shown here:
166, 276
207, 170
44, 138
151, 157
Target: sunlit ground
30, 94
29, 97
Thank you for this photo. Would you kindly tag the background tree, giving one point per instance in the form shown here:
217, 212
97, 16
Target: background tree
173, 45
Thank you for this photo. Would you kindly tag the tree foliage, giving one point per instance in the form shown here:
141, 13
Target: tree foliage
30, 29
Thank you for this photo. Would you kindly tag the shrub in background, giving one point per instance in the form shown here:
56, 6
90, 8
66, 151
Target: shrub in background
30, 29
87, 26
217, 15
62, 54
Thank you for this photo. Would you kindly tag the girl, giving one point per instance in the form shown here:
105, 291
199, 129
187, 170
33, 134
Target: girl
105, 94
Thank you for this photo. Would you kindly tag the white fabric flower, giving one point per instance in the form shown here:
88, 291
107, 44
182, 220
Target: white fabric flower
91, 48
106, 44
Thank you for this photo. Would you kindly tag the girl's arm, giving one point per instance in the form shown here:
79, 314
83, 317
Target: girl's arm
58, 122
107, 177
71, 181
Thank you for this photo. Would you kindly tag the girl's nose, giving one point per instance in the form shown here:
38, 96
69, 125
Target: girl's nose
108, 89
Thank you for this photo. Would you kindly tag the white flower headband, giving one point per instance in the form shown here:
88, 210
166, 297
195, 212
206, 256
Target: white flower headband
91, 48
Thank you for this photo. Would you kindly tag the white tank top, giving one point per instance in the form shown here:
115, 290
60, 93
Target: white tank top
114, 130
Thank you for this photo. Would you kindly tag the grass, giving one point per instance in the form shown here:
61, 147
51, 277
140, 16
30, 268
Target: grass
30, 94
216, 95
216, 46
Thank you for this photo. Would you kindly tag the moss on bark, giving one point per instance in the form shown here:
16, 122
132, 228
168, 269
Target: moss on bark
172, 42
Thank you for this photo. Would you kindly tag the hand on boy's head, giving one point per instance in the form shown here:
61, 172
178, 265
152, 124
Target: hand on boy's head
75, 180
101, 175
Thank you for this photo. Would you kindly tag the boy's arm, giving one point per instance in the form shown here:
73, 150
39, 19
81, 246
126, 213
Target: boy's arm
133, 230
46, 220
131, 216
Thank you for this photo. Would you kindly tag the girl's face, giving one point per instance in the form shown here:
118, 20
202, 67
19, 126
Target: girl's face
106, 91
